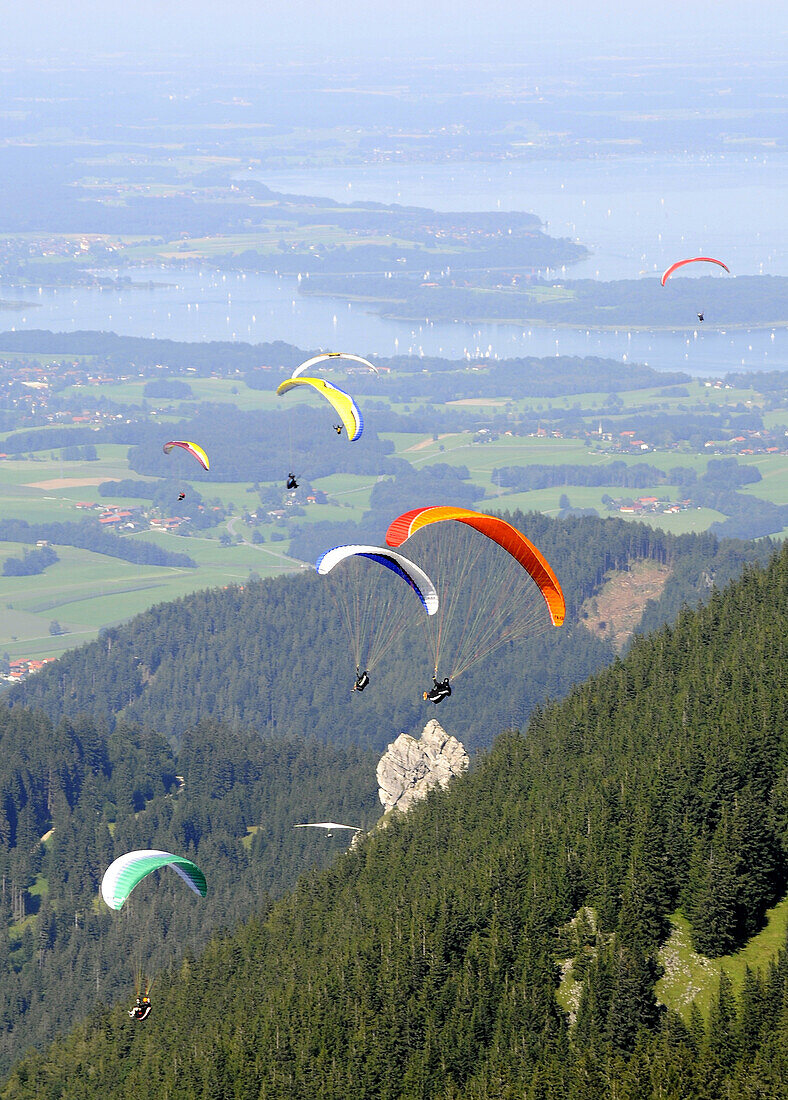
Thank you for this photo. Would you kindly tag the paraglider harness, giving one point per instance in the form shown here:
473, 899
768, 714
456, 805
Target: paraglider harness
439, 692
142, 1008
338, 429
362, 679
181, 495
700, 316
291, 481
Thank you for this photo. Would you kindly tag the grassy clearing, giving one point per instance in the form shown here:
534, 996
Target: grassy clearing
251, 832
85, 591
351, 491
773, 485
548, 501
405, 441
265, 241
682, 523
40, 887
225, 390
690, 977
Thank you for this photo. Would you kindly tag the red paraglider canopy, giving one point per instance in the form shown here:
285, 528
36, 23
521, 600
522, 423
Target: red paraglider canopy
693, 260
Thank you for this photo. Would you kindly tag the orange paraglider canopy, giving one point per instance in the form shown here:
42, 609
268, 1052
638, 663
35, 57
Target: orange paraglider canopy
508, 537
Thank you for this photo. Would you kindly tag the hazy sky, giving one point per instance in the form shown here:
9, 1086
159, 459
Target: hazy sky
476, 28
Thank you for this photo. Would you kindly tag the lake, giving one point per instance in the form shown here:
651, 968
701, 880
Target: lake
635, 213
727, 207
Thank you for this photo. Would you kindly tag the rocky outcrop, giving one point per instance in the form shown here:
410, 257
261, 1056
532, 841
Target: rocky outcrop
410, 767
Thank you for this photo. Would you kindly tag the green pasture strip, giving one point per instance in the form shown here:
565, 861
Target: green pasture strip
461, 450
404, 440
580, 496
226, 561
86, 591
78, 571
41, 510
547, 501
16, 931
663, 460
776, 418
75, 601
266, 241
40, 887
344, 485
12, 550
42, 645
246, 399
680, 523
346, 490
773, 485
203, 389
350, 510
66, 589
251, 832
47, 462
44, 359
548, 293
129, 393
238, 493
697, 393
694, 978
105, 607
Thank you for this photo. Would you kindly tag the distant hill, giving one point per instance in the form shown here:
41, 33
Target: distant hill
274, 656
425, 963
747, 300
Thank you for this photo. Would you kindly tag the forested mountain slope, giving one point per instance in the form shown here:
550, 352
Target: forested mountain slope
423, 964
226, 801
274, 656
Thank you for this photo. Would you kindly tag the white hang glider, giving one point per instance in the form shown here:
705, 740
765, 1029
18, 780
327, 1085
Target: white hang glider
329, 826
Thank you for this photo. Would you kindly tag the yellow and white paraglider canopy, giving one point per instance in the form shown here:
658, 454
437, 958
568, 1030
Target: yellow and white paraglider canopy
343, 403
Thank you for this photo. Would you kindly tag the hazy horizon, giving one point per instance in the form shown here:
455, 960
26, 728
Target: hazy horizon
452, 32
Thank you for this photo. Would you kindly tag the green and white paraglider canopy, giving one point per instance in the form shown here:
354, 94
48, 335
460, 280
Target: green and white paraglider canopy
122, 876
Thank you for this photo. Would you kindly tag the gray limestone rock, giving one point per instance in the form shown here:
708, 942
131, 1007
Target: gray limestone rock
410, 766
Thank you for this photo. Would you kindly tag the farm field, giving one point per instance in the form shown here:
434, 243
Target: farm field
203, 389
84, 591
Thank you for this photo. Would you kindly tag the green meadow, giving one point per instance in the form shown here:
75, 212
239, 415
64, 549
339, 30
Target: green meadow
84, 591
691, 978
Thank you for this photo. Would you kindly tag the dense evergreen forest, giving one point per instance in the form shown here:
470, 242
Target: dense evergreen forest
424, 964
274, 655
74, 796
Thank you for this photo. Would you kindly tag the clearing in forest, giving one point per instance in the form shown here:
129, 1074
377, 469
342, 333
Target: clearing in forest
617, 608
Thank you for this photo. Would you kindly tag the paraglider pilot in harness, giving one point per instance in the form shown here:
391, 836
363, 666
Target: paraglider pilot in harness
700, 316
362, 679
338, 429
440, 691
142, 1008
291, 481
